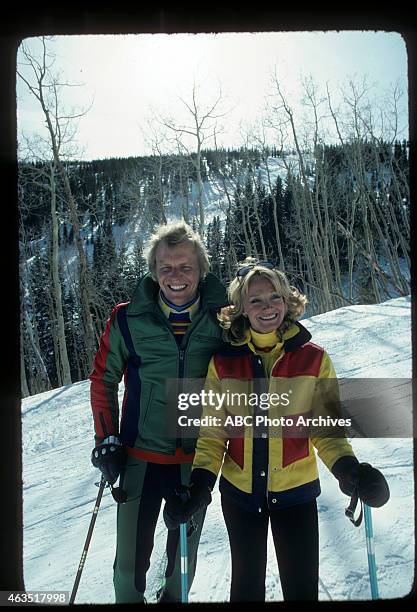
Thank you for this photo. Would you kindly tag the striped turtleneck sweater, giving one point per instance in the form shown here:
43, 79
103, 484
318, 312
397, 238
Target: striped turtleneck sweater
180, 317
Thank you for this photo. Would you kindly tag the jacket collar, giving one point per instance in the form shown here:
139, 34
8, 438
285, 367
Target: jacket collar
294, 337
294, 341
145, 297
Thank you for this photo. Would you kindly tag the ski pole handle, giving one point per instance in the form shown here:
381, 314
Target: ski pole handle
88, 539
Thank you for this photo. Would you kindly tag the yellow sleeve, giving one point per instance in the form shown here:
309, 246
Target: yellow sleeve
326, 402
212, 439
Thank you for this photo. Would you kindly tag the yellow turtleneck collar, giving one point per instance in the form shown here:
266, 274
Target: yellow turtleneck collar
264, 341
258, 342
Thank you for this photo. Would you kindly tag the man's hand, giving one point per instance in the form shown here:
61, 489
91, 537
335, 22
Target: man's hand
109, 457
184, 502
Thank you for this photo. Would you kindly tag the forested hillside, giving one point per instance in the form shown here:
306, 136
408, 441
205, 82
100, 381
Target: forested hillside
335, 218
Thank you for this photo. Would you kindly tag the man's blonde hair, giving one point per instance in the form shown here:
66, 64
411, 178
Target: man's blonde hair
172, 234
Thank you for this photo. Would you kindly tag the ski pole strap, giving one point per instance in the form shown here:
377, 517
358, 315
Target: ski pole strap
119, 494
192, 527
350, 510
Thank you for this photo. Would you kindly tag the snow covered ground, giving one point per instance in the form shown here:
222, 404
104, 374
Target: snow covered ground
58, 493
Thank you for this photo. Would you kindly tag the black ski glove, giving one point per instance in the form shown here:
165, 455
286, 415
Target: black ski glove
184, 502
109, 457
370, 484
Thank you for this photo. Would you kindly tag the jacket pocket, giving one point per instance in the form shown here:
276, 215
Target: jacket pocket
146, 401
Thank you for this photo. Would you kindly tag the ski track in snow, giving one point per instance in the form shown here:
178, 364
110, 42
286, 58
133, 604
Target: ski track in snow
59, 489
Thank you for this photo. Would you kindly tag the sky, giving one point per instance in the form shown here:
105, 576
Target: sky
363, 341
125, 80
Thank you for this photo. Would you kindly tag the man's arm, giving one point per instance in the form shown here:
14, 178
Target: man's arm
108, 367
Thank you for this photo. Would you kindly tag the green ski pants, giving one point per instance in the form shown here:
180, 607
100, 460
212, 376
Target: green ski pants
146, 485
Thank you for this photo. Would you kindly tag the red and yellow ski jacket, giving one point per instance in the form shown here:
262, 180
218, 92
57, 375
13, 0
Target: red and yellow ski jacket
276, 463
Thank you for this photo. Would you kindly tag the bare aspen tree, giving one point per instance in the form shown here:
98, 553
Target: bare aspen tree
365, 218
323, 210
226, 185
259, 223
308, 225
201, 130
385, 215
45, 87
259, 138
158, 161
351, 210
368, 149
180, 167
354, 99
63, 369
29, 348
36, 379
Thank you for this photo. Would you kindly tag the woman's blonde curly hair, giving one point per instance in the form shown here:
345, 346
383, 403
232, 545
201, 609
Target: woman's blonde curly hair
231, 317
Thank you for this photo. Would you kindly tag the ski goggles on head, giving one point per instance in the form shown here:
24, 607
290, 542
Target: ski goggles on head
241, 273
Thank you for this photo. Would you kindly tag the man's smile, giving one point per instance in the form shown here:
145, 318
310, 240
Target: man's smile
177, 287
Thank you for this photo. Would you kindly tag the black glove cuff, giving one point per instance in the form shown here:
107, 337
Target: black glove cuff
345, 464
200, 495
373, 489
203, 478
109, 458
346, 470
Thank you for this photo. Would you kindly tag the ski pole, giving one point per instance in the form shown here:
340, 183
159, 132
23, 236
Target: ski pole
366, 512
88, 539
371, 552
184, 562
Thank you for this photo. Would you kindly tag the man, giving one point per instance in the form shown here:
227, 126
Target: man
169, 330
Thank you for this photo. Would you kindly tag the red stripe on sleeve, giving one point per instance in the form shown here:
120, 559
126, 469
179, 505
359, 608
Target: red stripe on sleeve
103, 394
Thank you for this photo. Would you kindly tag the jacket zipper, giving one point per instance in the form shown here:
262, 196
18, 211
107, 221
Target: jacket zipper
270, 377
260, 362
276, 361
181, 364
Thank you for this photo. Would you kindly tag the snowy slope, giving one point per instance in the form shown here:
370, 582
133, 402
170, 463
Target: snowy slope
59, 492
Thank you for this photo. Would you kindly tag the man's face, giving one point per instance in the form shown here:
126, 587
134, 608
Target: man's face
178, 272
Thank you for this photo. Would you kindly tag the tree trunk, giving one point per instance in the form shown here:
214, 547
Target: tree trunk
37, 357
84, 277
200, 187
64, 366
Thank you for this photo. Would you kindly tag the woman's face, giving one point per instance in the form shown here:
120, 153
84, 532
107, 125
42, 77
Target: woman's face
263, 305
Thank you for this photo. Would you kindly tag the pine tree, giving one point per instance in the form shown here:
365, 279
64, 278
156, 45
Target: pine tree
215, 247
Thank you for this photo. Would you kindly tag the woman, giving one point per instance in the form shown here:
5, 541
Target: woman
269, 474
